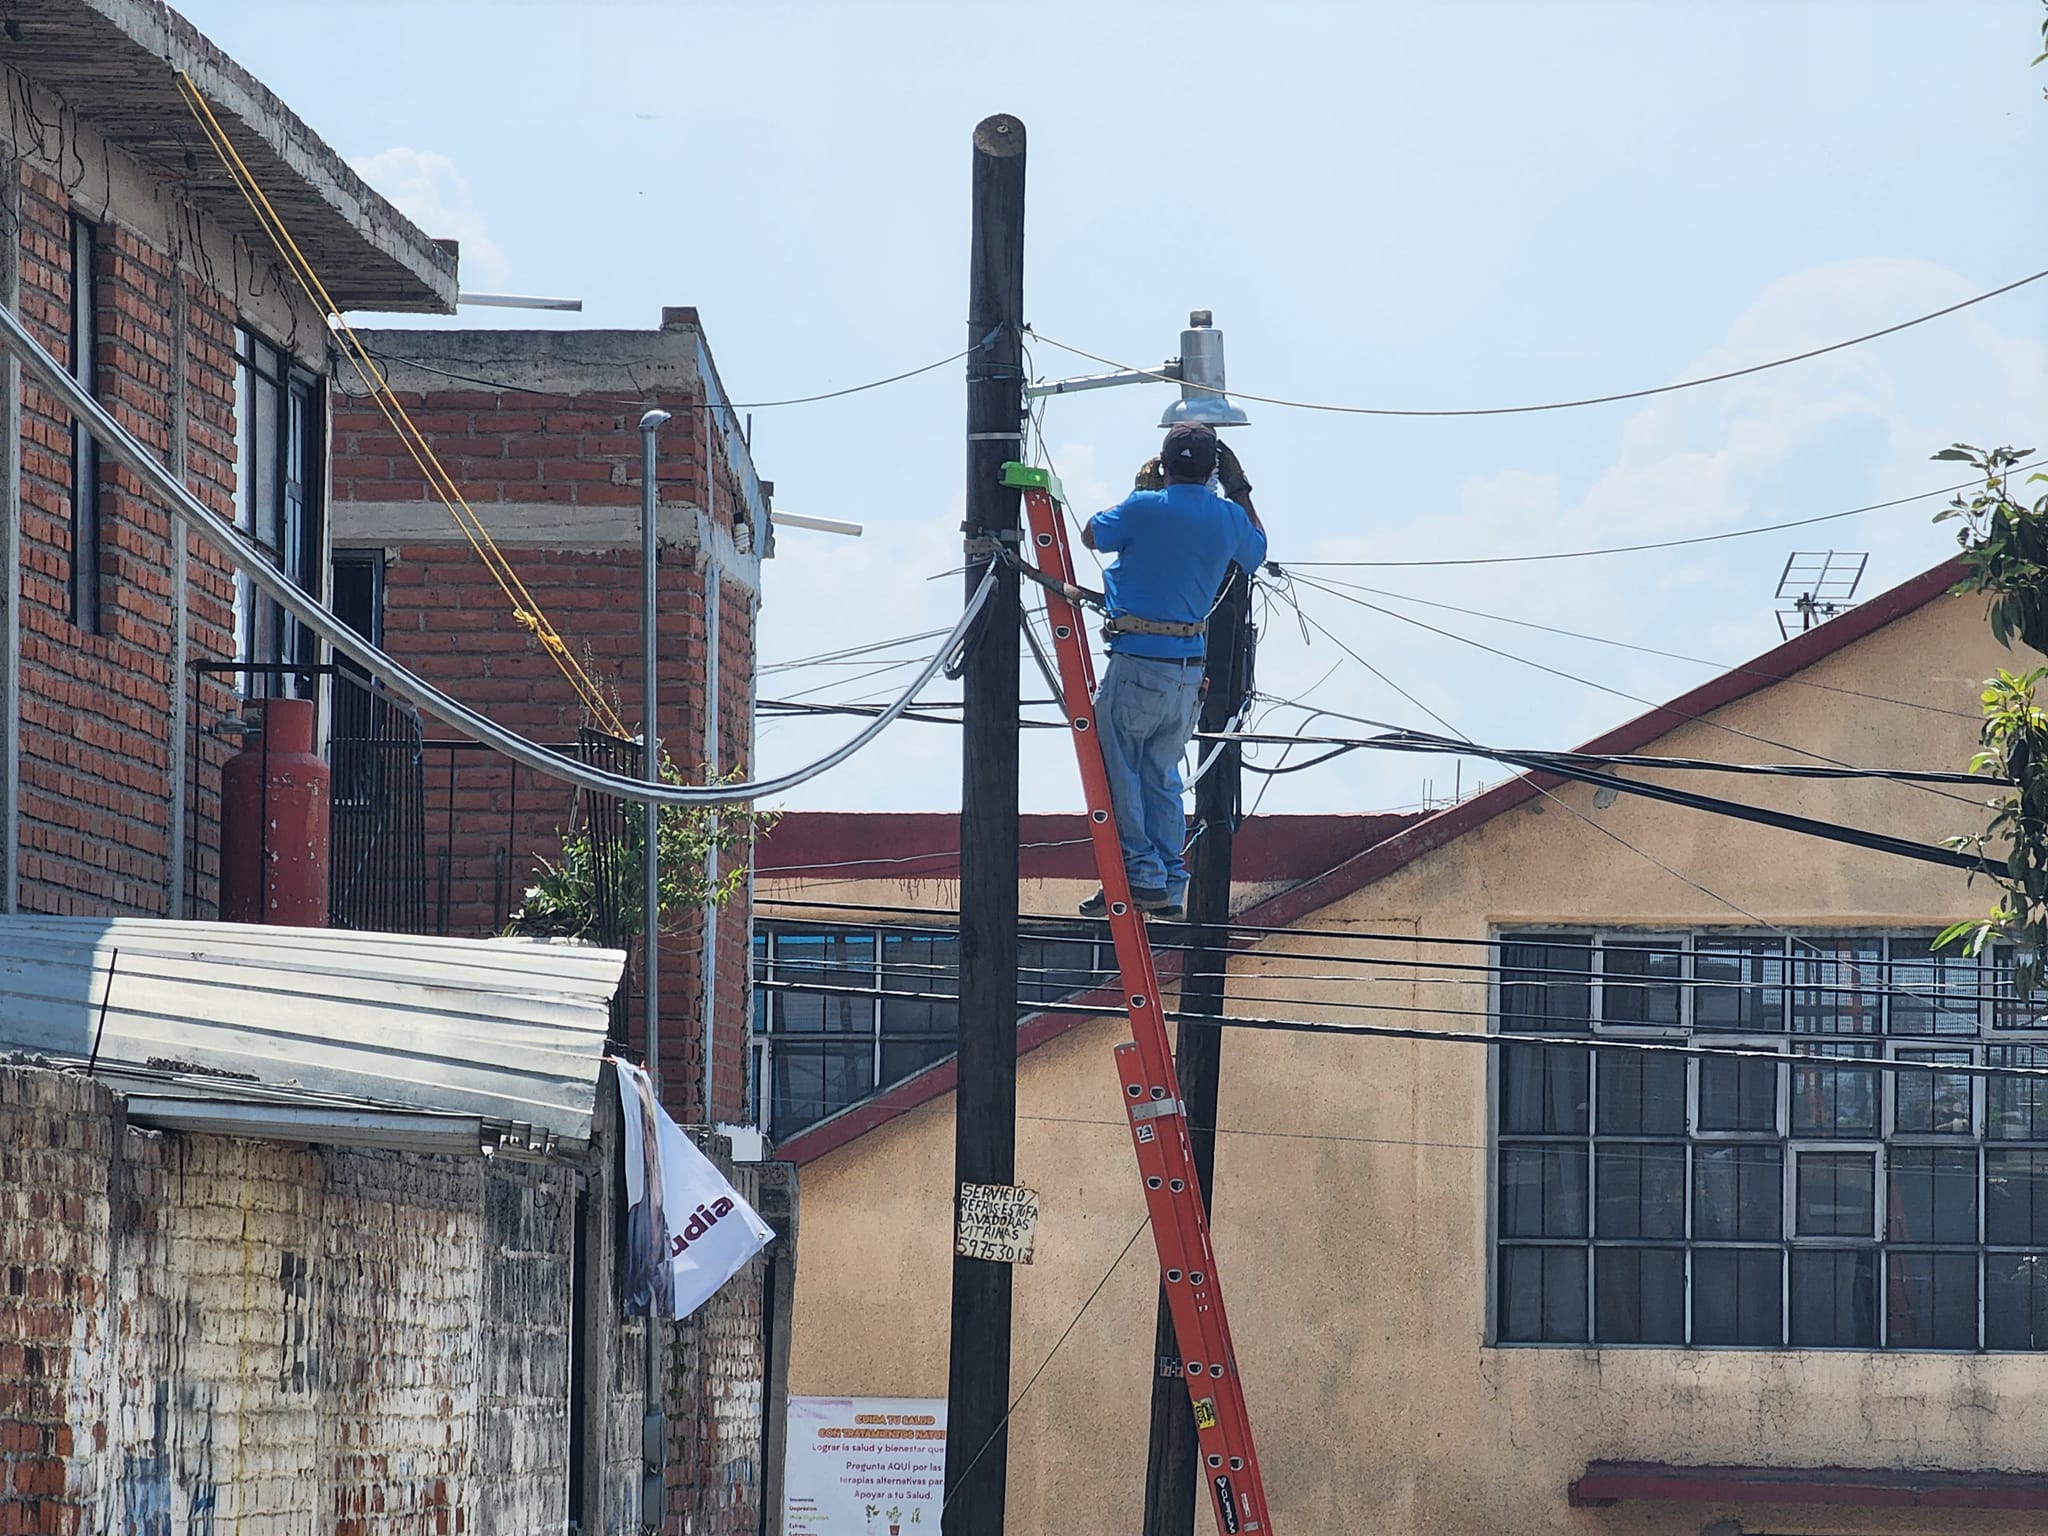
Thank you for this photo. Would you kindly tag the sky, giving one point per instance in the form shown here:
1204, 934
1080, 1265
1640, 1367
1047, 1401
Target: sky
1414, 207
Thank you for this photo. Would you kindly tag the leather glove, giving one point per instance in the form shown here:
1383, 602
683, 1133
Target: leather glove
1151, 476
1229, 472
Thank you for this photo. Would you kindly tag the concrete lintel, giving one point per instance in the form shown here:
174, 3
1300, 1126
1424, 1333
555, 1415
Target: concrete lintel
529, 525
562, 363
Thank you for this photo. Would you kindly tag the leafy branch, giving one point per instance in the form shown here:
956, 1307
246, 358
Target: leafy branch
570, 894
2005, 553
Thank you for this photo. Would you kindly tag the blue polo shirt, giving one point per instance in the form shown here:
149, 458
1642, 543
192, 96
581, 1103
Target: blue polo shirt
1172, 548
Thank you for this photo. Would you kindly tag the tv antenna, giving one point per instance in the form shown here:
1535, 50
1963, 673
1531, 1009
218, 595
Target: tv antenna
1816, 586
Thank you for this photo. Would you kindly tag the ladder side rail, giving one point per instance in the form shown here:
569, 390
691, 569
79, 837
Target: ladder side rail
1146, 1068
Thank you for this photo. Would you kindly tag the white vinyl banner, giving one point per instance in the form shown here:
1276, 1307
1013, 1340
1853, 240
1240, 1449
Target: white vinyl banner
864, 1466
708, 1231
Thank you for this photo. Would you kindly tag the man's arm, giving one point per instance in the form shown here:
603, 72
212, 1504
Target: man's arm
1251, 549
1230, 473
1105, 531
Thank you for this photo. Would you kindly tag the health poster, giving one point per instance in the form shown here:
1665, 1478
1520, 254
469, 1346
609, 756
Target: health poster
864, 1466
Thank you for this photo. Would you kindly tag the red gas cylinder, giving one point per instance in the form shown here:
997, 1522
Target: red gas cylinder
274, 823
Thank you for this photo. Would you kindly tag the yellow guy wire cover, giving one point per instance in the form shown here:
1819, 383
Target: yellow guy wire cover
526, 608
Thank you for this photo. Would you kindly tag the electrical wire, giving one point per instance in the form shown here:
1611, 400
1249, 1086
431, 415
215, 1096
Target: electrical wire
849, 653
1240, 932
1002, 1423
1412, 741
1557, 405
1649, 650
1701, 887
1632, 549
785, 709
1251, 932
1586, 682
1106, 994
1523, 977
1261, 1024
507, 387
810, 1101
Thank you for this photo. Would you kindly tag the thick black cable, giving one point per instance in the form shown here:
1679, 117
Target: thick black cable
1560, 405
824, 987
1491, 1037
1254, 931
1785, 821
1418, 741
1668, 708
1469, 973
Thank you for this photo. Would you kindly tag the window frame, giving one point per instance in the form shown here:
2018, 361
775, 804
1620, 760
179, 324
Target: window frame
292, 527
1032, 990
1793, 1144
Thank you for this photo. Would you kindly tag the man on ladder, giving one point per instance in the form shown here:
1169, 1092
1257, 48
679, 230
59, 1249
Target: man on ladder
1174, 545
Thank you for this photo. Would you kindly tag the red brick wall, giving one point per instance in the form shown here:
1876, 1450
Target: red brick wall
446, 616
210, 580
54, 1147
97, 762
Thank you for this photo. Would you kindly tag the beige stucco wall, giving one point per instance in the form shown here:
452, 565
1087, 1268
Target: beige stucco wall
1352, 1193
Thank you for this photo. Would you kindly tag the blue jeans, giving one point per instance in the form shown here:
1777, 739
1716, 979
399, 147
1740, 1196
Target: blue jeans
1146, 709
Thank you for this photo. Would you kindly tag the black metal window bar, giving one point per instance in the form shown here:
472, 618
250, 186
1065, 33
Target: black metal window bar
377, 857
609, 822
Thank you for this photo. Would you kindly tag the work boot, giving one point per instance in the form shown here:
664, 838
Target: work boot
1147, 898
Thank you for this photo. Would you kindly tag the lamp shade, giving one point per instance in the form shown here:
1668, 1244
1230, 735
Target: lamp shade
1202, 400
1205, 409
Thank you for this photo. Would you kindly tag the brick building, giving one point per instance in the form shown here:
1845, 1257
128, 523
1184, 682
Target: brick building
139, 267
232, 1319
540, 429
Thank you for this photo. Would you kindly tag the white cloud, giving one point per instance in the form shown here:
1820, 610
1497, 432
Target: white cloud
428, 189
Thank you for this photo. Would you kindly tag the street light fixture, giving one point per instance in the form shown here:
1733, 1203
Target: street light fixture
1198, 370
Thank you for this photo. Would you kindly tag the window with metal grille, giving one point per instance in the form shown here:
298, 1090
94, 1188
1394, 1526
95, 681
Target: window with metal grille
280, 435
1766, 1199
854, 1010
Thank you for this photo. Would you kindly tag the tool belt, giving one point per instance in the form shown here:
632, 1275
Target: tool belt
1131, 624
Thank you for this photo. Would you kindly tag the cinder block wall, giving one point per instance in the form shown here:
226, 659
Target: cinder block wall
550, 463
202, 1333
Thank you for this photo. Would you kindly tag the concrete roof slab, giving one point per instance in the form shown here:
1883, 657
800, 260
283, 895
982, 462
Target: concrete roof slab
116, 63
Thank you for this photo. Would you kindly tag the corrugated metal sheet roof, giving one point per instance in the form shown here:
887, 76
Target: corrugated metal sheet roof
508, 1030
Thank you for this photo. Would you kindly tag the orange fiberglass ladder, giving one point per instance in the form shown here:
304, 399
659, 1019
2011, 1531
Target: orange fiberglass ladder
1159, 1127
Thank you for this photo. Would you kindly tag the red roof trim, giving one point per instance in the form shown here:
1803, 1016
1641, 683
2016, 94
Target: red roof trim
842, 846
1607, 1483
1422, 836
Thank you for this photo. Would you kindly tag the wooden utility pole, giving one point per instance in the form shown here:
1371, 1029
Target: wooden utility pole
1173, 1460
985, 1116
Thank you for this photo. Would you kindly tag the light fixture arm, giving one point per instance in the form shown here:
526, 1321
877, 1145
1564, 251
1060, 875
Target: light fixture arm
1198, 370
1168, 371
